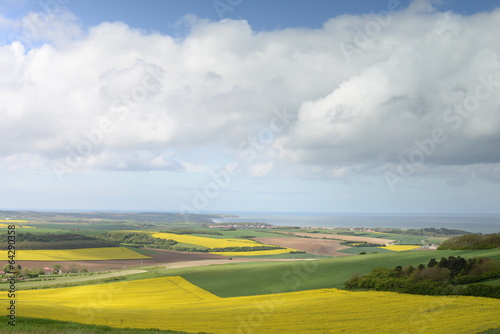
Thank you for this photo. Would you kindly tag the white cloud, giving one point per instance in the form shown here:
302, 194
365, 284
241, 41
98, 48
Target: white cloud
123, 99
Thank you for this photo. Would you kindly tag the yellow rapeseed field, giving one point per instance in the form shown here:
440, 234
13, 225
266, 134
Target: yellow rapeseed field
81, 254
208, 242
254, 253
222, 243
6, 222
399, 248
173, 303
13, 221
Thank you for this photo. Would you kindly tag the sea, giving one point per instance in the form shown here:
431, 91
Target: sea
475, 223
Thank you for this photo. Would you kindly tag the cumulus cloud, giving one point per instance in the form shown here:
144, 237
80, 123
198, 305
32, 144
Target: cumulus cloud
366, 92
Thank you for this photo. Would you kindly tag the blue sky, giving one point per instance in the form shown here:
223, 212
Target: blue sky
306, 106
163, 16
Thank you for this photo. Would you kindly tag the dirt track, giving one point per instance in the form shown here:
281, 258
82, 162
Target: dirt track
309, 245
344, 237
169, 259
162, 257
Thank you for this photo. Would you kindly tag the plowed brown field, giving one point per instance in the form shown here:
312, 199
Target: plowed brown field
343, 237
309, 245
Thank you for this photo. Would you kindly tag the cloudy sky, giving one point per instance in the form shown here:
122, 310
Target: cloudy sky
239, 105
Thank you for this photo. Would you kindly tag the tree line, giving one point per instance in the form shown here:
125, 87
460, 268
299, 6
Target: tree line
472, 241
32, 241
191, 231
27, 272
360, 244
445, 277
137, 239
427, 231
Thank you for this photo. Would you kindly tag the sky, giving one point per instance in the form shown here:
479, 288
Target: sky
238, 105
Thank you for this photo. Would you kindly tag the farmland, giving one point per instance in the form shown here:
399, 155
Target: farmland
275, 290
314, 246
206, 241
346, 237
225, 246
83, 254
172, 301
399, 248
256, 253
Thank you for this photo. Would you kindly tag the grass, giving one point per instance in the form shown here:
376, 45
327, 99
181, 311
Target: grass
434, 240
26, 325
492, 331
74, 280
495, 282
246, 279
43, 230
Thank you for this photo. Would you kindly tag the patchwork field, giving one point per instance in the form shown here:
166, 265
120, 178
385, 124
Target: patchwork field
223, 243
343, 237
82, 254
264, 291
171, 303
313, 246
156, 257
256, 253
206, 241
399, 248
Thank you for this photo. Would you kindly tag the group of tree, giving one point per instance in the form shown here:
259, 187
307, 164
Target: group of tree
449, 276
27, 272
137, 239
360, 244
27, 240
18, 271
192, 231
427, 231
472, 241
223, 249
242, 249
72, 268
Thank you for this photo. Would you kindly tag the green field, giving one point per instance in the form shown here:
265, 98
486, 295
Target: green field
25, 325
245, 279
42, 230
403, 239
255, 278
492, 282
